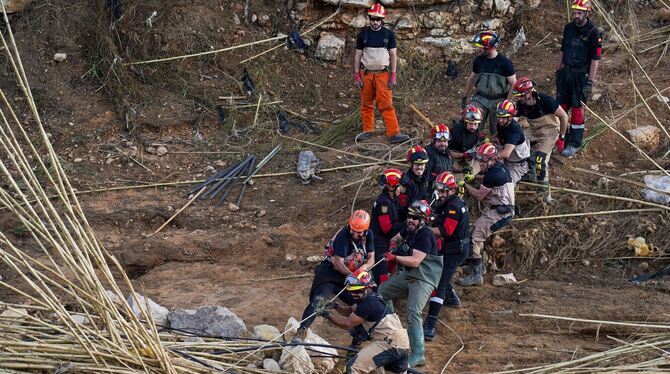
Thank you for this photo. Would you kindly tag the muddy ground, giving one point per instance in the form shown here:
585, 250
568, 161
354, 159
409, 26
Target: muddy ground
102, 118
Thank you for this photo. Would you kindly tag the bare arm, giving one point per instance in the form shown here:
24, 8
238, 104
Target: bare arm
593, 70
412, 261
338, 264
393, 55
397, 239
478, 193
469, 85
563, 117
357, 60
506, 151
369, 263
511, 80
348, 322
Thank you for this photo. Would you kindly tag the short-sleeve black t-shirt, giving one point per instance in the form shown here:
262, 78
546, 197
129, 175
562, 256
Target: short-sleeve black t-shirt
496, 176
581, 45
371, 308
422, 240
375, 39
544, 105
500, 65
511, 134
343, 245
462, 139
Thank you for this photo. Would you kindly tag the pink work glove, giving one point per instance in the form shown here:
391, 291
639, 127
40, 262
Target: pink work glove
358, 81
393, 81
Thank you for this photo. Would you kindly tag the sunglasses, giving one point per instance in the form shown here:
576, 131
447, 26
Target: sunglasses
415, 218
374, 19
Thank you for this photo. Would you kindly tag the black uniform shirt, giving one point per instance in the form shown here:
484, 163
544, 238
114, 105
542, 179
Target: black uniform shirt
544, 105
496, 176
371, 308
416, 188
461, 139
511, 134
581, 45
453, 220
375, 39
422, 239
343, 245
437, 163
500, 65
386, 219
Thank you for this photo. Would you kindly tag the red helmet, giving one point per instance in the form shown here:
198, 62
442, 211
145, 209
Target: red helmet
583, 5
472, 114
506, 108
445, 181
390, 177
487, 152
417, 155
522, 86
486, 39
440, 131
377, 11
420, 208
363, 281
359, 220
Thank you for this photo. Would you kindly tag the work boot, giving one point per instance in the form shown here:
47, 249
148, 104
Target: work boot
300, 335
531, 175
364, 136
429, 330
570, 151
452, 300
417, 345
474, 279
398, 138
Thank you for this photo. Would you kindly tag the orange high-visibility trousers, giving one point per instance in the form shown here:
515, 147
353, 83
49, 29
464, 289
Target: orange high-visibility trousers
376, 88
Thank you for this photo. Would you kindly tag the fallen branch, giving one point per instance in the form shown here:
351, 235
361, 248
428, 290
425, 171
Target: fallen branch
600, 213
421, 115
639, 184
599, 322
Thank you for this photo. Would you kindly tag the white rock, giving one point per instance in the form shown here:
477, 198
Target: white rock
271, 365
503, 279
315, 258
210, 320
151, 150
14, 313
78, 160
438, 42
663, 99
351, 3
438, 32
296, 360
113, 297
596, 96
233, 208
194, 339
59, 57
236, 19
492, 24
290, 257
594, 167
502, 7
264, 20
159, 313
406, 22
79, 319
330, 47
645, 137
359, 21
323, 365
266, 332
161, 151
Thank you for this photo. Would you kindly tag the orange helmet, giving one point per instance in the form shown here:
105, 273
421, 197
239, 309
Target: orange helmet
583, 5
363, 281
440, 131
522, 86
472, 114
420, 208
359, 220
445, 181
417, 155
486, 39
377, 11
487, 152
506, 108
390, 177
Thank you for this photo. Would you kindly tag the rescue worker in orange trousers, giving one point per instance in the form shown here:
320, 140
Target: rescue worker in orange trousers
388, 344
492, 77
414, 249
581, 49
351, 250
547, 124
496, 192
451, 228
375, 63
516, 147
386, 220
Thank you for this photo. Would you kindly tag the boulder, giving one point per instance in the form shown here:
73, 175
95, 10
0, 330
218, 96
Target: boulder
330, 47
435, 19
503, 279
13, 6
502, 7
14, 313
359, 21
406, 23
351, 3
296, 360
266, 332
645, 137
158, 313
271, 365
209, 320
113, 297
324, 364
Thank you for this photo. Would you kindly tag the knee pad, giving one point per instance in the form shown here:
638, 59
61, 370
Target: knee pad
540, 165
577, 116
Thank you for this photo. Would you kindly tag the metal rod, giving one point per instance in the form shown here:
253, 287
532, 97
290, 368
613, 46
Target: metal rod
244, 185
264, 161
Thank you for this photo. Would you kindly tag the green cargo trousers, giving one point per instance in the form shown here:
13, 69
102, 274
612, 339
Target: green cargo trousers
417, 293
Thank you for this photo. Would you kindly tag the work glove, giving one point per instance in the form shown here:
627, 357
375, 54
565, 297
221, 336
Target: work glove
358, 81
464, 102
469, 178
560, 144
393, 81
390, 257
350, 280
461, 188
588, 89
467, 170
322, 311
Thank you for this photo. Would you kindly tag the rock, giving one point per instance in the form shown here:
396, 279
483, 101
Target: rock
290, 257
261, 213
663, 99
492, 24
158, 313
502, 7
351, 3
194, 339
645, 137
435, 19
60, 57
604, 182
110, 161
322, 364
266, 332
443, 42
644, 266
609, 164
296, 360
233, 208
406, 22
330, 47
662, 16
209, 320
151, 150
315, 258
594, 167
14, 313
497, 242
503, 279
271, 365
161, 151
264, 20
359, 21
438, 32
78, 160
13, 6
113, 297
236, 20
79, 319
596, 96
586, 262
